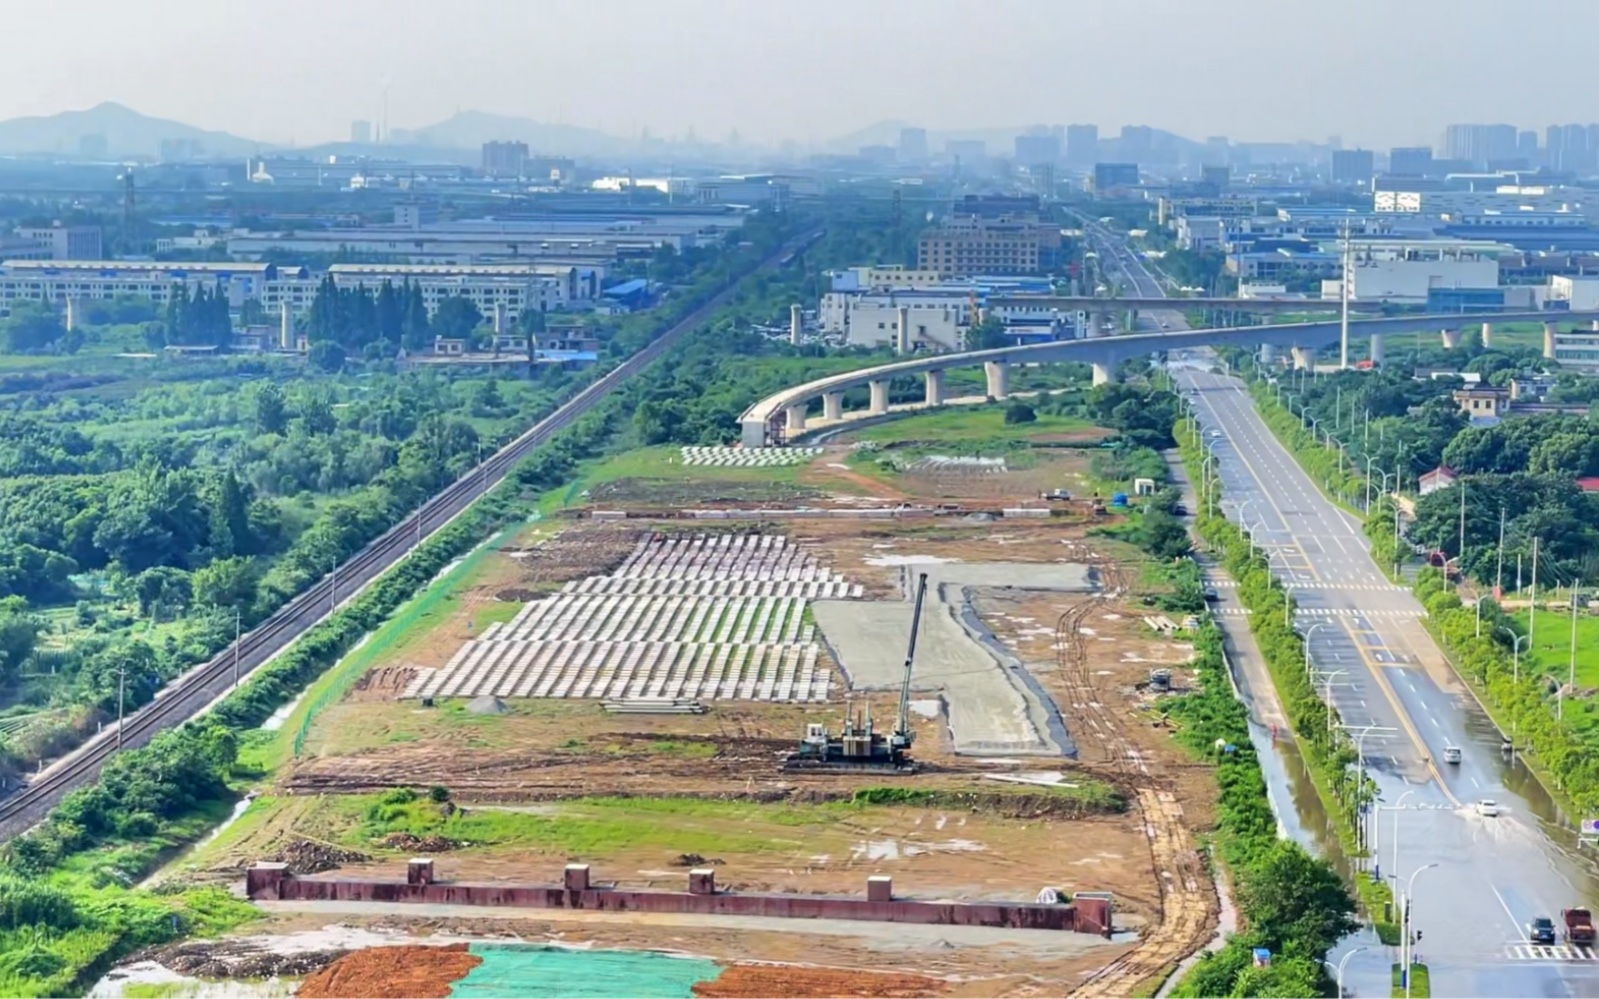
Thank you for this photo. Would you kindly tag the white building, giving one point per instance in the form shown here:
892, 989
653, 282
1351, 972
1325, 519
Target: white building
1505, 199
515, 287
1579, 293
1402, 271
1201, 233
58, 281
936, 327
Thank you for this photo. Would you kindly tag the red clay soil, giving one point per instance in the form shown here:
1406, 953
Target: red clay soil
407, 972
787, 981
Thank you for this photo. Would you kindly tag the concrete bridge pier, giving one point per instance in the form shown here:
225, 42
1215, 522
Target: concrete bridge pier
1549, 341
1268, 354
833, 406
794, 420
1375, 350
1302, 358
796, 324
879, 398
1451, 339
1487, 335
902, 337
1104, 373
1096, 324
935, 388
998, 373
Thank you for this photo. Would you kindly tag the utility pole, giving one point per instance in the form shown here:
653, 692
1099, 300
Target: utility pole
333, 587
1571, 670
237, 631
1343, 318
1499, 568
1460, 557
1532, 616
122, 676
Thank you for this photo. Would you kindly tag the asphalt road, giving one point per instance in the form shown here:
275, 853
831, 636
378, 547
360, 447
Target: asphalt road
1388, 678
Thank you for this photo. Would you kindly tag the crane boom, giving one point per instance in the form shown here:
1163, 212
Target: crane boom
902, 730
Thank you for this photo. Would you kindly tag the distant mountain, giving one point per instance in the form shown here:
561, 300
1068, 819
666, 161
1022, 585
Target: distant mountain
999, 141
470, 129
126, 133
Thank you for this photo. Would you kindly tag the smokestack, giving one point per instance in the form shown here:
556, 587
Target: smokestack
796, 324
285, 327
904, 345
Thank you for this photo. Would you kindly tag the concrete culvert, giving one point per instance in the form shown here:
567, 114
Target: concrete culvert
486, 704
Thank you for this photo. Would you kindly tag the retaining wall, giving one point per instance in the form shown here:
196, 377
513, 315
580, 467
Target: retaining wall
274, 882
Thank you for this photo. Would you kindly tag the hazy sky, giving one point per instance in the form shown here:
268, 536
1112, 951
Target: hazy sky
1376, 72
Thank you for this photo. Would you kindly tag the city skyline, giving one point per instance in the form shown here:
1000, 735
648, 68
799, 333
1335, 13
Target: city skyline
623, 68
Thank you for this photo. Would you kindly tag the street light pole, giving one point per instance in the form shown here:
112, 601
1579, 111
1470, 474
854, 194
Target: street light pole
1341, 963
1401, 801
1405, 941
1308, 632
1480, 598
1326, 695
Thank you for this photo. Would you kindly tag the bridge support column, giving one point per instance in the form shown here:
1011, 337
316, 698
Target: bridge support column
1549, 341
902, 338
793, 421
1451, 339
935, 388
1487, 335
998, 373
1096, 324
1376, 350
833, 406
879, 398
1268, 354
1302, 358
796, 324
1104, 373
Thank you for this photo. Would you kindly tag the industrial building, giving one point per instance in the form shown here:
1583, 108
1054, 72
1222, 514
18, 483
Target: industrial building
1109, 176
504, 159
990, 235
1405, 271
1574, 292
1353, 166
65, 242
513, 288
62, 281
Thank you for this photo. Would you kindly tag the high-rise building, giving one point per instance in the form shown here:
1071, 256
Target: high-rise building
1036, 150
1353, 166
1411, 161
66, 242
970, 155
1137, 141
1082, 144
913, 145
504, 159
1527, 145
1479, 143
1113, 175
361, 132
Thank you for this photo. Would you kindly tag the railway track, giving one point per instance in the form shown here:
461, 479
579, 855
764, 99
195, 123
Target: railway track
197, 689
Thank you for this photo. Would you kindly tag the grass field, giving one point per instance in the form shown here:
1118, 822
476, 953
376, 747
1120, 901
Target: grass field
660, 464
968, 423
1550, 651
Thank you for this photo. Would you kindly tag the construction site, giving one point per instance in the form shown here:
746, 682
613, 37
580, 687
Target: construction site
913, 701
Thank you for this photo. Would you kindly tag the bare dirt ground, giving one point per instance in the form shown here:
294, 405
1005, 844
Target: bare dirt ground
1090, 653
1103, 652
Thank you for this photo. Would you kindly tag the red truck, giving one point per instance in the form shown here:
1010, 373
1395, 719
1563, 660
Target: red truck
1579, 926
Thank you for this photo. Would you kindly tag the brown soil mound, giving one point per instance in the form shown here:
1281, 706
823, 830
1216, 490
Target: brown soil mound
419, 844
748, 981
403, 972
309, 857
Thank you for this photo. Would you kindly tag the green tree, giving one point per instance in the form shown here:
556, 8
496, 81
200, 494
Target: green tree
227, 582
456, 317
32, 327
1291, 896
271, 413
19, 630
988, 335
326, 355
1020, 412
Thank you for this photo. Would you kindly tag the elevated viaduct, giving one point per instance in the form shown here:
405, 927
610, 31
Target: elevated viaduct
783, 415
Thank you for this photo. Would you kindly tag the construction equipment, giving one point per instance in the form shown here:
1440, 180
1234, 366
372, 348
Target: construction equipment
1579, 926
1160, 680
859, 746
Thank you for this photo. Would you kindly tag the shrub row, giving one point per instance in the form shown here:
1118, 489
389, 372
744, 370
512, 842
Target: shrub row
1290, 902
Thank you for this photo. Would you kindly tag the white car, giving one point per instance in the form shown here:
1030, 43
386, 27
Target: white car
1488, 808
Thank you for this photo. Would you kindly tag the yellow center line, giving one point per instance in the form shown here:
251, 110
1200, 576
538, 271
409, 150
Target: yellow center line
1375, 668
